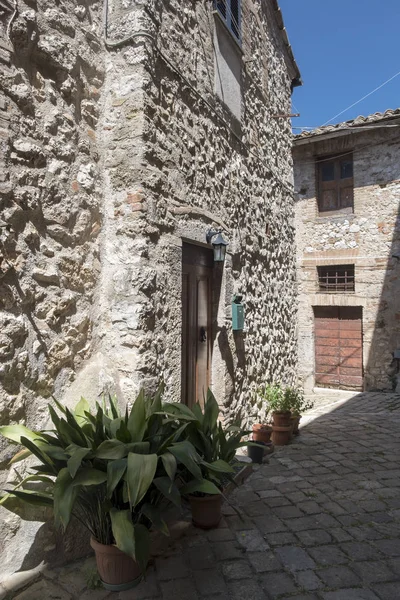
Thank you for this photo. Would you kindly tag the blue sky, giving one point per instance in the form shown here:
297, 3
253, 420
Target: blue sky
344, 49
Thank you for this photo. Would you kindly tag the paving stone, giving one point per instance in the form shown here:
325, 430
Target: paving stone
340, 535
360, 550
220, 535
269, 493
350, 594
338, 577
171, 567
287, 512
238, 569
256, 509
295, 558
281, 538
209, 582
247, 588
227, 550
179, 589
252, 540
276, 502
394, 564
389, 547
269, 524
309, 507
146, 590
277, 584
304, 597
302, 524
374, 571
239, 523
387, 591
201, 556
43, 589
308, 580
314, 537
263, 562
328, 555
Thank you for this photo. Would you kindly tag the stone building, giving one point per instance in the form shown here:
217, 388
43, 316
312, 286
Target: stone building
123, 141
347, 179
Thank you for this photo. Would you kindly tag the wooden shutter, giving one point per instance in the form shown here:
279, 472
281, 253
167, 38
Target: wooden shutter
335, 184
235, 17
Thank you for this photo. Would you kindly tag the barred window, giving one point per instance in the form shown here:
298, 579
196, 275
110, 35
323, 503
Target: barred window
230, 11
336, 278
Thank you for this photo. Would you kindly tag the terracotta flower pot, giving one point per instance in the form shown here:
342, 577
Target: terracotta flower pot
281, 435
261, 433
282, 419
117, 570
206, 511
296, 422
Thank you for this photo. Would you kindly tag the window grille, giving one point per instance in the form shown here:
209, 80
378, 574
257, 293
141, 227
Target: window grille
336, 278
230, 11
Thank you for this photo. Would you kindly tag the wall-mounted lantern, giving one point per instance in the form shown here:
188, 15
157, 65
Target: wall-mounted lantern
219, 244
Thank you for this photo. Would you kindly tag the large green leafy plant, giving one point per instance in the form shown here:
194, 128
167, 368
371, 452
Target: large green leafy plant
215, 446
274, 395
298, 402
112, 471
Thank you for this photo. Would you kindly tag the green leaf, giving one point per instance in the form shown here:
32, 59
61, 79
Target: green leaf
111, 450
123, 433
198, 413
139, 475
80, 409
137, 419
89, 476
38, 452
74, 462
142, 545
174, 437
219, 466
179, 410
65, 495
169, 462
154, 515
186, 454
34, 498
211, 412
113, 406
123, 531
60, 407
21, 455
76, 427
139, 447
55, 452
115, 471
156, 404
168, 489
15, 432
204, 486
69, 434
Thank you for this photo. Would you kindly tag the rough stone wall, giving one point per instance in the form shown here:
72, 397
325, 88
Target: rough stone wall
192, 171
51, 73
368, 238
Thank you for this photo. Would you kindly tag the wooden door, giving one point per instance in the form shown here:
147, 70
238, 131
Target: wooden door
338, 347
197, 265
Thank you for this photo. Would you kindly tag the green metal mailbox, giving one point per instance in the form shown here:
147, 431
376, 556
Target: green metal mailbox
237, 313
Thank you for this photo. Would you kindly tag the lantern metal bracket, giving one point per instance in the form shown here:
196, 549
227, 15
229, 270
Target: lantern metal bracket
212, 233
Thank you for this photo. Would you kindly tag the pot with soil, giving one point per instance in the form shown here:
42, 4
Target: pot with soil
281, 435
206, 510
282, 418
262, 433
117, 570
256, 451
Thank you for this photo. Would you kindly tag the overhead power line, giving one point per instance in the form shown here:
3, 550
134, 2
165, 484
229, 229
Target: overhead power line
363, 98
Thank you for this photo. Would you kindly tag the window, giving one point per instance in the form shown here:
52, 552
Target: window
336, 278
335, 184
229, 10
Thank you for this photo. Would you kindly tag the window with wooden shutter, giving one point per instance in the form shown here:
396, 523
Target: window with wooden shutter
230, 12
336, 184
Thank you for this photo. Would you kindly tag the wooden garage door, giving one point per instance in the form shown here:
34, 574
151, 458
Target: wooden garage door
338, 347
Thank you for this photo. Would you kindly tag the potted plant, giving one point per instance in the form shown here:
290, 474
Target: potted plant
279, 404
113, 472
216, 448
261, 430
299, 404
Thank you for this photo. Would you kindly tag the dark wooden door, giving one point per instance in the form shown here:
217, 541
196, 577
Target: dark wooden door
338, 347
197, 265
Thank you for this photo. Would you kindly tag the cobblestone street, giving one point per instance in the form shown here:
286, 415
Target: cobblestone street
320, 521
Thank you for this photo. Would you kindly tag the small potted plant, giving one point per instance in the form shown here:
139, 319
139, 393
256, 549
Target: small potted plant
262, 430
279, 405
113, 472
206, 475
299, 404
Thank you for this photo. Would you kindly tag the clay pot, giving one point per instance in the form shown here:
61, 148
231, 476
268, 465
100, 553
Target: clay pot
117, 570
282, 419
296, 421
281, 435
256, 453
261, 433
206, 511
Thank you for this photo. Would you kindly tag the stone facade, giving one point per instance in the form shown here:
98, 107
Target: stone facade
367, 238
114, 151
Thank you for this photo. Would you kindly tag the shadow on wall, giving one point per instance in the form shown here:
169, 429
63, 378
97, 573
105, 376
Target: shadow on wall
381, 364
